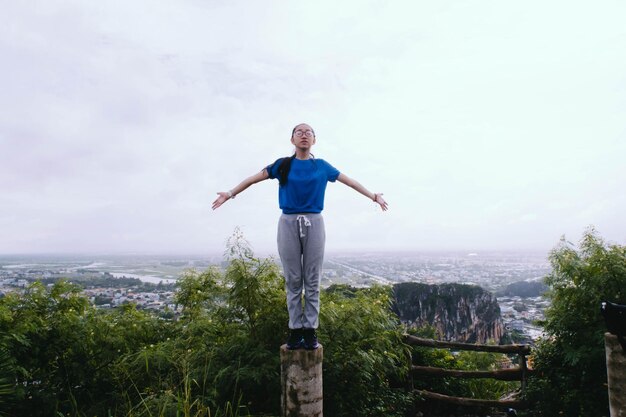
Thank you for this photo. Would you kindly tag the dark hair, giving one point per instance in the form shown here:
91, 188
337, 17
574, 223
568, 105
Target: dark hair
284, 168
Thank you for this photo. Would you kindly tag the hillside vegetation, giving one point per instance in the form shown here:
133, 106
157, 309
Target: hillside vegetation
60, 355
570, 361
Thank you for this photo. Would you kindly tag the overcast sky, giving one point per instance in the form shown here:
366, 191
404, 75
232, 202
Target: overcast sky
486, 124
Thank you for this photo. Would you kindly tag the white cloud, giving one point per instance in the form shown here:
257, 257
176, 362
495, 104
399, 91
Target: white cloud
486, 124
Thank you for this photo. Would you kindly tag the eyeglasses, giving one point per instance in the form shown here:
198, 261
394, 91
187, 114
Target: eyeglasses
300, 133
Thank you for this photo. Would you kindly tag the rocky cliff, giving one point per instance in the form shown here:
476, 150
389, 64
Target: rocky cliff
462, 313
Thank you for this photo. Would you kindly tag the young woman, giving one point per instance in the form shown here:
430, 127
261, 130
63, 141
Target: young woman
301, 235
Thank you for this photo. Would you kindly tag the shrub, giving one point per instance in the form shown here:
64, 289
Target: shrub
570, 362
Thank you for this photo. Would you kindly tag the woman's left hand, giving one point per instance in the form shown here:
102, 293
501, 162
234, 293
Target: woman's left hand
378, 198
223, 197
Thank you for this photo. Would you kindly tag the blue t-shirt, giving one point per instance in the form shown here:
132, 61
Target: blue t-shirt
306, 185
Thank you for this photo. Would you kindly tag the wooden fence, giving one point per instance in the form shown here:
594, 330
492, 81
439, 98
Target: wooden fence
520, 373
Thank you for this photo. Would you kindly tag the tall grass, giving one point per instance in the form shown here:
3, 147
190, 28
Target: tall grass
7, 380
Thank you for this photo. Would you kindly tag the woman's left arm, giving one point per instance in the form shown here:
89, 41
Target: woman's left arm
375, 197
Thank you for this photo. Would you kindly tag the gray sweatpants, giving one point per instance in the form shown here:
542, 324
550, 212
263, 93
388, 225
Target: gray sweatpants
301, 240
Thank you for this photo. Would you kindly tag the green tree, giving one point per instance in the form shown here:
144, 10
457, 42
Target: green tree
218, 357
198, 292
224, 355
570, 362
7, 381
253, 326
365, 360
63, 349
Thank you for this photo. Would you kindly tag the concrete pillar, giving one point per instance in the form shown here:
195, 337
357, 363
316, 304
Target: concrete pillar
616, 370
301, 381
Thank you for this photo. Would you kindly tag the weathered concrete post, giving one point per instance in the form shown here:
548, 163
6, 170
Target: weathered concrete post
301, 381
616, 370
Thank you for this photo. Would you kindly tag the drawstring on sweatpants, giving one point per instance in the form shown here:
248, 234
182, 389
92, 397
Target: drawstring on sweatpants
307, 223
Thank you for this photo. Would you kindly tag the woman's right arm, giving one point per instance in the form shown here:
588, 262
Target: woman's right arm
225, 196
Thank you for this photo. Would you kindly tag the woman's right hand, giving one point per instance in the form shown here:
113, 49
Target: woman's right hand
378, 199
223, 197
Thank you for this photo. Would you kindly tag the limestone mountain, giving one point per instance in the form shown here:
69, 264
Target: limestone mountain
458, 312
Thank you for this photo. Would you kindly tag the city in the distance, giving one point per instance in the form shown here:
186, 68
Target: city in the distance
514, 277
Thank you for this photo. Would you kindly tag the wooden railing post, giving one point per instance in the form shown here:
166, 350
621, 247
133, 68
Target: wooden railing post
520, 373
301, 382
616, 373
524, 370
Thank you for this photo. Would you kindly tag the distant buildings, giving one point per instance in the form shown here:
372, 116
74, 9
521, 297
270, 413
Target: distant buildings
490, 271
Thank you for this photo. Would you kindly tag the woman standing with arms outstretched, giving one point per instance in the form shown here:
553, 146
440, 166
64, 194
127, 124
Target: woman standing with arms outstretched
301, 235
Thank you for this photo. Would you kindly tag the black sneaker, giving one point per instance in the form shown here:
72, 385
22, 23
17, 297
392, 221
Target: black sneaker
310, 339
296, 339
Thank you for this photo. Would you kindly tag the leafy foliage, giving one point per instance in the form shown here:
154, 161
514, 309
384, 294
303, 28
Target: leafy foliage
7, 380
217, 356
226, 345
366, 362
489, 389
570, 361
63, 347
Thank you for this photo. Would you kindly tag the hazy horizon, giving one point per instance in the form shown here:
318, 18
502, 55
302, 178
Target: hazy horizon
457, 252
